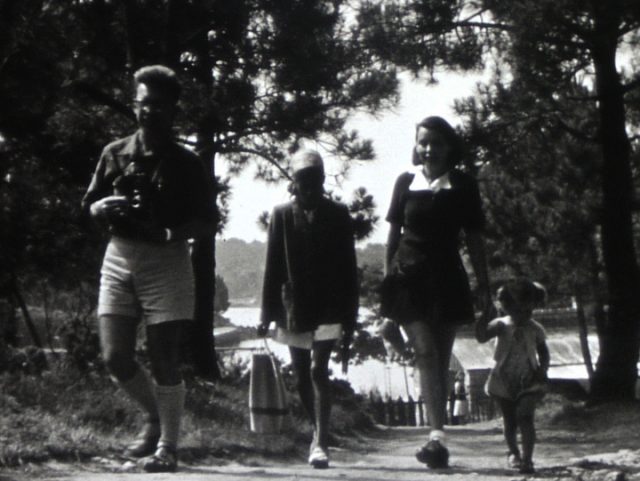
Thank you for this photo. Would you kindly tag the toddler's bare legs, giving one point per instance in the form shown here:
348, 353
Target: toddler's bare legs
510, 423
525, 414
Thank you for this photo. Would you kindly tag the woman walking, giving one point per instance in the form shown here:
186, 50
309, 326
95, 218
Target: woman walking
426, 287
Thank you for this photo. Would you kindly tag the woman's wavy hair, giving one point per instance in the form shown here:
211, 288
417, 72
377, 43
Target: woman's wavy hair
449, 133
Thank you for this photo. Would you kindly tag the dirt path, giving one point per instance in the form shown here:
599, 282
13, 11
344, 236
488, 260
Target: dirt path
477, 453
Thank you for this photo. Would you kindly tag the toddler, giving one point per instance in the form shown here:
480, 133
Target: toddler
518, 379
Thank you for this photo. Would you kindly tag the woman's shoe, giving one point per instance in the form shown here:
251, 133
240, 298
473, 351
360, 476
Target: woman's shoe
146, 442
319, 458
164, 460
434, 455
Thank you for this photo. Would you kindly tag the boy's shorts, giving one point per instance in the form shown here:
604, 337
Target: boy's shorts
146, 280
305, 340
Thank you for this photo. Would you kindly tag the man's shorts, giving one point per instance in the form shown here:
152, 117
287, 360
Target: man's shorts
147, 280
305, 340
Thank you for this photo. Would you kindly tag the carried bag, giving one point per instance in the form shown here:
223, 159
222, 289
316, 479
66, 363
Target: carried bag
268, 405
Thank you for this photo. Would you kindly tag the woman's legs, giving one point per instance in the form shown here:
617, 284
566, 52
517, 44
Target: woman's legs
432, 348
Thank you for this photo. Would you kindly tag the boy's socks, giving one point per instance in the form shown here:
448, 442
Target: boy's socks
140, 389
170, 406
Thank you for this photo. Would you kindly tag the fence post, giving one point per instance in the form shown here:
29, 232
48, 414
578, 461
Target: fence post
420, 411
389, 416
400, 409
411, 411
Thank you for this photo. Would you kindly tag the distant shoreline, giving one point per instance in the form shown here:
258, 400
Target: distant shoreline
244, 302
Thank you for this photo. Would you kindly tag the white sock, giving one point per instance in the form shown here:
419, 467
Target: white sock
170, 407
438, 435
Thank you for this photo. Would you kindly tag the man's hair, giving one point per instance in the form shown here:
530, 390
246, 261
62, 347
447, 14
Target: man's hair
161, 78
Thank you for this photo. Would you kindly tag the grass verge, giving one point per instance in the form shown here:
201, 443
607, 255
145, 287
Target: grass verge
66, 415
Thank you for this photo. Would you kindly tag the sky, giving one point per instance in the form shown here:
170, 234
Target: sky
392, 134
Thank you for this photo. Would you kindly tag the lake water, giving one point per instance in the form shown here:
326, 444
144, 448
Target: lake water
394, 380
388, 379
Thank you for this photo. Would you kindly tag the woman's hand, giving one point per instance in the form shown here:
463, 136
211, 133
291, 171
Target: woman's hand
487, 307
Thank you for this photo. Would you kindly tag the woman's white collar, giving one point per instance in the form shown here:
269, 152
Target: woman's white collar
420, 182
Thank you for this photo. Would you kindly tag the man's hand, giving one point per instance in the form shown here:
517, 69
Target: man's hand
111, 208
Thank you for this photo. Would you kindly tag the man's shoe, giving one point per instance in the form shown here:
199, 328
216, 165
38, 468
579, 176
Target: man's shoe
319, 458
146, 443
434, 455
164, 460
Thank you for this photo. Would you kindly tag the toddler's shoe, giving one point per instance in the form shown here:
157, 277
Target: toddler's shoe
434, 455
319, 458
164, 460
514, 461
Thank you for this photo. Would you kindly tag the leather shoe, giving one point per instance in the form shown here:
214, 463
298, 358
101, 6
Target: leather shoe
146, 443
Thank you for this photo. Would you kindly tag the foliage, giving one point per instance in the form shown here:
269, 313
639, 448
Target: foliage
67, 415
82, 345
221, 299
556, 92
260, 78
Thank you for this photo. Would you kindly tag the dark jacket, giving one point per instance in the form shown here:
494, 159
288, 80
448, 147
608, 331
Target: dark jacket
182, 189
311, 274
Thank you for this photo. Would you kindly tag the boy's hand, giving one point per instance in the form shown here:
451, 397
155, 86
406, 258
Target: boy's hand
262, 330
541, 376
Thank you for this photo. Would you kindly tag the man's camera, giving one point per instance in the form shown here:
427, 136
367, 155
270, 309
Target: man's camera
135, 185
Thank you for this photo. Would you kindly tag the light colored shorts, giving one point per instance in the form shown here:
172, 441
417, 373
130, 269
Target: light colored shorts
305, 340
146, 280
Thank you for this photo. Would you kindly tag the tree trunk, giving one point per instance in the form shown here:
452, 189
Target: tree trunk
596, 288
583, 333
616, 370
17, 295
202, 342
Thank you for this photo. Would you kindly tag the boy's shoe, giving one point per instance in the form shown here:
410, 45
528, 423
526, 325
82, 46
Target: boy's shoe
434, 455
527, 467
514, 461
146, 442
319, 458
164, 460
